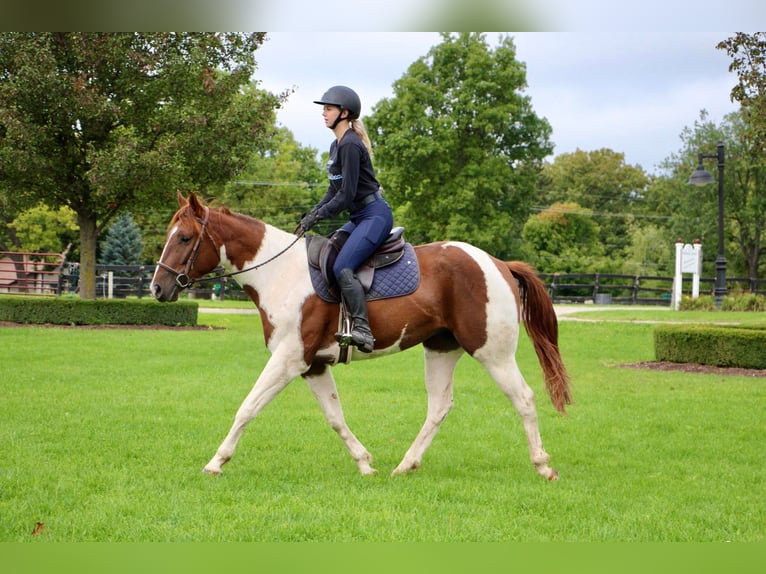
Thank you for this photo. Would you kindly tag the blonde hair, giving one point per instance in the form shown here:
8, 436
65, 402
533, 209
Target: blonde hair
359, 129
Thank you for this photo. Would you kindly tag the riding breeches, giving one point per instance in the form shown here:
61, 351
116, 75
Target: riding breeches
369, 227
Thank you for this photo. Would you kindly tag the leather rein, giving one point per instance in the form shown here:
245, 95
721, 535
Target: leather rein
184, 281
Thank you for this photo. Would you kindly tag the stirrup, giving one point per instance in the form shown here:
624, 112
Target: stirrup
343, 337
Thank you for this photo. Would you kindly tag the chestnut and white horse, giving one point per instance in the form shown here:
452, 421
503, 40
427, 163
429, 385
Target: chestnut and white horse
467, 301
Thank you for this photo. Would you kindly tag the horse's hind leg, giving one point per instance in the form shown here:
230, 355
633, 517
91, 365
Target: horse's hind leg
324, 389
440, 367
510, 380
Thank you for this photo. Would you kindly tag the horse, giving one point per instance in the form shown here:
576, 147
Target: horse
467, 301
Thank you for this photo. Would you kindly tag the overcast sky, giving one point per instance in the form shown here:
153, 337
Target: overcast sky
633, 93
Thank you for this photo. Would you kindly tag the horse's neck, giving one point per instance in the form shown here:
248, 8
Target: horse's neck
274, 243
246, 242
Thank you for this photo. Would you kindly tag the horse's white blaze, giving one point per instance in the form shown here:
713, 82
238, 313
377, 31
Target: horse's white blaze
168, 242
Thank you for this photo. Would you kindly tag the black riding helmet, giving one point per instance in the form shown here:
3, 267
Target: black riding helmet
345, 98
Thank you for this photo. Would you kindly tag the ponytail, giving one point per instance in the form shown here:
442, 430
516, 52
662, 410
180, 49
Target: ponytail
359, 129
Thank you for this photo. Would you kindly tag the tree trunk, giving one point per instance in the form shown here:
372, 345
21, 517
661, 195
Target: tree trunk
88, 240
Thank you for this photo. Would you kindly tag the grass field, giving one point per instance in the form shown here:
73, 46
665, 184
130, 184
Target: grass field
103, 434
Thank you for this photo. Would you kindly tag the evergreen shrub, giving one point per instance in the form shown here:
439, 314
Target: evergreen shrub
718, 345
73, 311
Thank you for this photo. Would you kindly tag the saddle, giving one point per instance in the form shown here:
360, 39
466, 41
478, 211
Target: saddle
323, 251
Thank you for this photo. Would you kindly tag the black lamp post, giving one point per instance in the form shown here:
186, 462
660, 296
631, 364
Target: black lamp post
701, 177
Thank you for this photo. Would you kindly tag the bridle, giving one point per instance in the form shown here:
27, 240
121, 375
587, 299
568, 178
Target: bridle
184, 281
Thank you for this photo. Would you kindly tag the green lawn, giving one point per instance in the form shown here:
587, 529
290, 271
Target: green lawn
103, 435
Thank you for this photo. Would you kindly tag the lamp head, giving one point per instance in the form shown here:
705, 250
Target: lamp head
701, 176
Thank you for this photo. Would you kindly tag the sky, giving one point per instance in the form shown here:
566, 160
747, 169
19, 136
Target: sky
631, 92
624, 75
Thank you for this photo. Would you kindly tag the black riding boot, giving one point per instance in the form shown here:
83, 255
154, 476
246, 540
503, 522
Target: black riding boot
353, 296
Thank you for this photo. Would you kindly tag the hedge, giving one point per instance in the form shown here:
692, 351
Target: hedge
73, 311
718, 345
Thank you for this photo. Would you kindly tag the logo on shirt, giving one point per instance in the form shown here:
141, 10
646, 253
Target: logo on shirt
332, 176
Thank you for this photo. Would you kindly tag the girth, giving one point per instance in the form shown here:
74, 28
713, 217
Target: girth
323, 251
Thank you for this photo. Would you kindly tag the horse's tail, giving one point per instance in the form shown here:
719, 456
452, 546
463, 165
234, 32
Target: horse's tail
540, 321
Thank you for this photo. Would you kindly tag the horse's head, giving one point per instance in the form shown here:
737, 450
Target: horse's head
189, 251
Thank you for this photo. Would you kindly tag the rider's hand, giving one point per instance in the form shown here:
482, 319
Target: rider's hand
309, 220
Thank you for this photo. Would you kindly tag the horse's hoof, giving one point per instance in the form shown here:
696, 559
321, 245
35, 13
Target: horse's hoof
553, 475
212, 471
407, 469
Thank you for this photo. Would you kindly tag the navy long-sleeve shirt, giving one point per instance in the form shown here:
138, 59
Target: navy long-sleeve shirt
351, 176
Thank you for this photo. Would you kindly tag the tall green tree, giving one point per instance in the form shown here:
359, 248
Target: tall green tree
693, 211
748, 54
103, 122
603, 183
278, 183
748, 62
458, 147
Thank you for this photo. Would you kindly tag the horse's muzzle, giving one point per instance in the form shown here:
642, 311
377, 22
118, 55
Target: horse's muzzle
164, 295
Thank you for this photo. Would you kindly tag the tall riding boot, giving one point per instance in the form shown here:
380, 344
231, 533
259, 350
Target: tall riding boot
353, 296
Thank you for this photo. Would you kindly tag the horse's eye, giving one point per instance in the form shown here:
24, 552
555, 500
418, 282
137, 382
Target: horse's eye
185, 239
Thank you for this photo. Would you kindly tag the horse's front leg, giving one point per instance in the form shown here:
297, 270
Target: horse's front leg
276, 375
322, 384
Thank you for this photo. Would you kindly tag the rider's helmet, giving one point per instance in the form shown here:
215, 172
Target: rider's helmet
343, 97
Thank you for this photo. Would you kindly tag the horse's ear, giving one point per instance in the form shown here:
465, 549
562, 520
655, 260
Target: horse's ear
182, 202
196, 204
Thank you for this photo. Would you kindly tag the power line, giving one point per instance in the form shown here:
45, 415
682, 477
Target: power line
597, 213
274, 183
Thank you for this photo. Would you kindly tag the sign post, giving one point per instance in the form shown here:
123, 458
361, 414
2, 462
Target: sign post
688, 260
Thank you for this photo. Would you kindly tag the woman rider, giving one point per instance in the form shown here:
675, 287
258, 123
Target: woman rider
353, 188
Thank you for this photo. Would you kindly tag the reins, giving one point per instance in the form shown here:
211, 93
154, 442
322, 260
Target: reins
184, 281
251, 268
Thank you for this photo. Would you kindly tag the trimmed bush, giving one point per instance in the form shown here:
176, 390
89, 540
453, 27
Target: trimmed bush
717, 345
731, 302
67, 311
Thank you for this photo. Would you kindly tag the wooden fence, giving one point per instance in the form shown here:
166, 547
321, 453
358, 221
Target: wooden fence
608, 288
26, 273
47, 274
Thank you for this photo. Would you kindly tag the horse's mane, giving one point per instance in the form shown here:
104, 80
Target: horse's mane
237, 215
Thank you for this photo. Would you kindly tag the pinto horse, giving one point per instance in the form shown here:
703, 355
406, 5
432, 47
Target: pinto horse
466, 301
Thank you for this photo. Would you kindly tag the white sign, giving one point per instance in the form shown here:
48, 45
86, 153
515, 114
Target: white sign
688, 260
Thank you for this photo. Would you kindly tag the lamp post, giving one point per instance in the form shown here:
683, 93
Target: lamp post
701, 177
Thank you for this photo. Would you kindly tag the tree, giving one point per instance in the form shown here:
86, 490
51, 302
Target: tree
42, 229
748, 54
602, 182
693, 211
650, 252
563, 238
123, 245
458, 147
103, 122
278, 183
